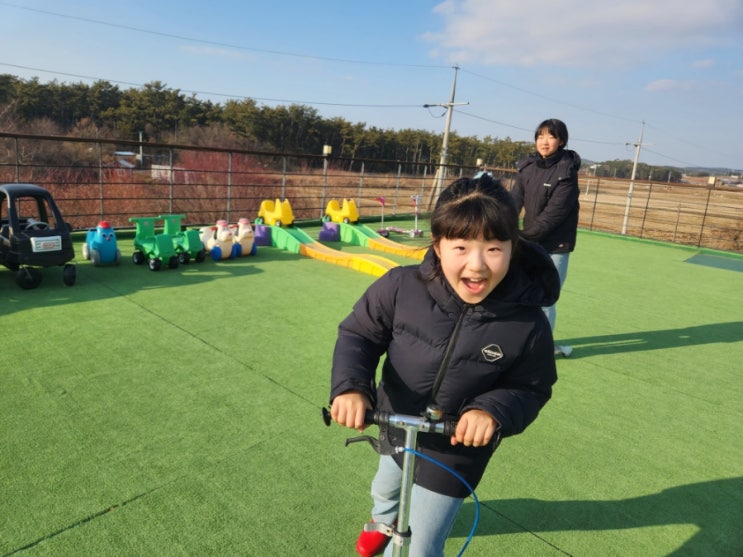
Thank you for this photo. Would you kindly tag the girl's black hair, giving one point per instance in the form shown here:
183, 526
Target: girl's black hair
472, 207
556, 128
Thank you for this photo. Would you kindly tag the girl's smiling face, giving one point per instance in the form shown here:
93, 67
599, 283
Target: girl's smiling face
474, 267
546, 143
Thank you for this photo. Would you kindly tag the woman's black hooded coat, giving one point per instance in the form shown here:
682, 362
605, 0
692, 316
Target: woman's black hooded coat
501, 360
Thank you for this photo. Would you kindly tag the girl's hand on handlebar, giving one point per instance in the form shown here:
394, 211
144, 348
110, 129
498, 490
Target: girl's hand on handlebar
348, 409
475, 429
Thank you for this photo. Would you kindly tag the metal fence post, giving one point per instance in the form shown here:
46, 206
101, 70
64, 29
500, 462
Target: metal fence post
100, 177
704, 217
595, 202
283, 178
645, 211
17, 162
170, 178
361, 184
229, 186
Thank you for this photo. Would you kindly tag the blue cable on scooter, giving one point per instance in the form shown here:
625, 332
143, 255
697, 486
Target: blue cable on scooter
465, 483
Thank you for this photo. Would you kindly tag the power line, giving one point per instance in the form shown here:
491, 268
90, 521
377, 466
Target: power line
211, 93
539, 95
315, 57
218, 43
531, 130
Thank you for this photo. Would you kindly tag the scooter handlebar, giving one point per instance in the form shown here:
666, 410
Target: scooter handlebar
380, 418
419, 423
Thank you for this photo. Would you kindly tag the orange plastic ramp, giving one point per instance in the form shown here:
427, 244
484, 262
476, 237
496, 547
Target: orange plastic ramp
296, 240
371, 264
362, 235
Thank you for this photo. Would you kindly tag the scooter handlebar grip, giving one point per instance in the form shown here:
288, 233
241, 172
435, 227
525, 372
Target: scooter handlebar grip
449, 427
376, 417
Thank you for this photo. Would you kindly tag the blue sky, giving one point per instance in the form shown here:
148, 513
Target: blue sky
602, 67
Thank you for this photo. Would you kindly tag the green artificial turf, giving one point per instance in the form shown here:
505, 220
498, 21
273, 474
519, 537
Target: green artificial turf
178, 413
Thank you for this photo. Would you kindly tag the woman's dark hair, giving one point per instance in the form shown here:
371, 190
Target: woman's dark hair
472, 207
556, 128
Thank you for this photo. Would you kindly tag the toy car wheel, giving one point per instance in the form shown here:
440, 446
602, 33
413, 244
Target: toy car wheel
138, 258
346, 220
201, 256
278, 223
86, 251
95, 257
36, 225
173, 262
28, 278
69, 273
184, 258
154, 264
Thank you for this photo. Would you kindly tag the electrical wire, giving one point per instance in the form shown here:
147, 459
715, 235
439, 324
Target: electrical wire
465, 483
216, 43
211, 93
321, 58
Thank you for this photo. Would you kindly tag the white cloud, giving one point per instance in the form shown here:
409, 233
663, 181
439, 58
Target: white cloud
662, 85
214, 51
579, 33
708, 63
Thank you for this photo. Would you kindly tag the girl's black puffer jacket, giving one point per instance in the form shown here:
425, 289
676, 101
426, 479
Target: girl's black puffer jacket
501, 360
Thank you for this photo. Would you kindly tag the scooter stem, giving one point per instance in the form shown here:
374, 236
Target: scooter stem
402, 533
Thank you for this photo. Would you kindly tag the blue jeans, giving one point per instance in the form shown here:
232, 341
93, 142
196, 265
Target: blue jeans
431, 514
561, 264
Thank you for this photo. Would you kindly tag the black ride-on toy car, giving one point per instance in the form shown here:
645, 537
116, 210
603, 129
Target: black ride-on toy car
33, 234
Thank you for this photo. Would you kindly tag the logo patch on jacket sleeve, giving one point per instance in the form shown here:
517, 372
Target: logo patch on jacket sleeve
492, 353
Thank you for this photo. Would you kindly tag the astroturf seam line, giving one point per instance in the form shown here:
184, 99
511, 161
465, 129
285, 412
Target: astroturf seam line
192, 335
205, 343
81, 522
526, 530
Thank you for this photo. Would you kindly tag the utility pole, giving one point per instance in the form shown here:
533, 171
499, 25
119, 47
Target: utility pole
441, 171
632, 180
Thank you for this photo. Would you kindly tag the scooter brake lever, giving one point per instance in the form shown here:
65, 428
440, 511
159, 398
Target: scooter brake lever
376, 445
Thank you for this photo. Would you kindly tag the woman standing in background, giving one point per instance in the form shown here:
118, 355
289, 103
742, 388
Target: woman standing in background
546, 187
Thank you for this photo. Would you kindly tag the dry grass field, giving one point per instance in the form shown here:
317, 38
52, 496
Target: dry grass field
679, 213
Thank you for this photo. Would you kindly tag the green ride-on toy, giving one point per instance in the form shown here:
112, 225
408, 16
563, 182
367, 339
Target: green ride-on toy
187, 243
150, 247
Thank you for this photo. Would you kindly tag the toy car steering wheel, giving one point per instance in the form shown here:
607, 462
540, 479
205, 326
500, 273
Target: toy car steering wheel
36, 225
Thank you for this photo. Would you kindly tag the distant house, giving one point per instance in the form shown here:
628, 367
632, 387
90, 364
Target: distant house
165, 172
123, 163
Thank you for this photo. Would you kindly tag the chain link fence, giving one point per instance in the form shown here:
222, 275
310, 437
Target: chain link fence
96, 179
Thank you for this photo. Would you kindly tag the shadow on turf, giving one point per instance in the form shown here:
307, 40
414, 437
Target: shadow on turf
585, 347
126, 279
713, 507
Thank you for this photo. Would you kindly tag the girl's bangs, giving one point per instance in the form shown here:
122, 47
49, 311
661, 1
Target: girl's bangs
471, 220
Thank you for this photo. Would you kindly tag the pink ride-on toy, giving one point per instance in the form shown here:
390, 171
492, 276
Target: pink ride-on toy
219, 241
244, 237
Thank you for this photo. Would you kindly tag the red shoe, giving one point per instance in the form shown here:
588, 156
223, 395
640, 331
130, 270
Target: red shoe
373, 539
